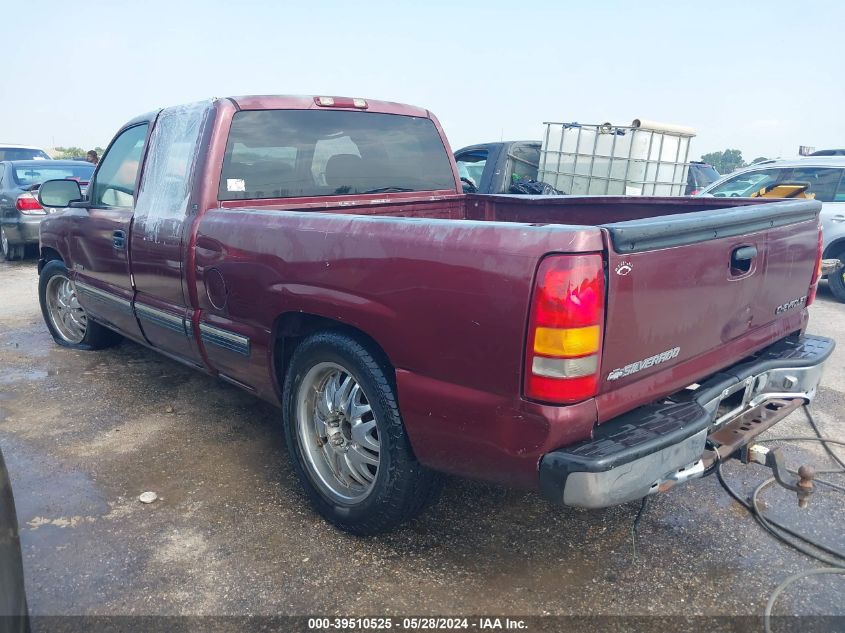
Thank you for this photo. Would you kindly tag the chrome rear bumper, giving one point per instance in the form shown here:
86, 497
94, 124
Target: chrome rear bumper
657, 446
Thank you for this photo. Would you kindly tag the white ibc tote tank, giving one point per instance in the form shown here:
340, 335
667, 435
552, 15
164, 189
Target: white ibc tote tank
645, 158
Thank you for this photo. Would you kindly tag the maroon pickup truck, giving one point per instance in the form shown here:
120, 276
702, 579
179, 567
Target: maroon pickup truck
319, 253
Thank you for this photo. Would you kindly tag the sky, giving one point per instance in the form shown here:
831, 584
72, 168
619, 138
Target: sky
761, 76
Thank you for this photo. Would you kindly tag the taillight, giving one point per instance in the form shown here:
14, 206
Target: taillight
27, 204
565, 329
817, 271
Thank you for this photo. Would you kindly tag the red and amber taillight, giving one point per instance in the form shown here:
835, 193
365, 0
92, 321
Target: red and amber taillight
817, 271
565, 329
27, 204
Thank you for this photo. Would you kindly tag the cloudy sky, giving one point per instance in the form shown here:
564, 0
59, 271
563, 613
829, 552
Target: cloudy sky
760, 76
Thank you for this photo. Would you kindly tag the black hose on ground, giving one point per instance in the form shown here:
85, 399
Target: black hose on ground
801, 542
636, 526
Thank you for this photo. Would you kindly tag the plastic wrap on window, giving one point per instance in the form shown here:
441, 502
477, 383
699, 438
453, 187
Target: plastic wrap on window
165, 189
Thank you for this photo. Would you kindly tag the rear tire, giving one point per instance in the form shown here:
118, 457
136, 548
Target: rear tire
836, 281
66, 320
10, 250
346, 438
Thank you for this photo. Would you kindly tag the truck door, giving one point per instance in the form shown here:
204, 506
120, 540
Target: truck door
161, 228
99, 243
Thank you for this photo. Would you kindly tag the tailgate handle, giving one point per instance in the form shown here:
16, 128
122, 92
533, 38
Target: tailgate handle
741, 259
744, 253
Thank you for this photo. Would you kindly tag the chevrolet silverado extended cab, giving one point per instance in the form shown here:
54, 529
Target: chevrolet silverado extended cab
319, 253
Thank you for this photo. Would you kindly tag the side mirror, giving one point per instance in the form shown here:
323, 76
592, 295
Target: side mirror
59, 193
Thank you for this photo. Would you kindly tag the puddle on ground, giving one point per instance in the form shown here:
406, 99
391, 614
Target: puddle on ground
8, 376
43, 487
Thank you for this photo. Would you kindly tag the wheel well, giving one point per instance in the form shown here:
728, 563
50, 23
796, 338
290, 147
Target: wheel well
835, 247
291, 328
47, 255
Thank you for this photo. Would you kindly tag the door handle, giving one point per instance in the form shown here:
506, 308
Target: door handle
744, 253
118, 240
741, 259
838, 218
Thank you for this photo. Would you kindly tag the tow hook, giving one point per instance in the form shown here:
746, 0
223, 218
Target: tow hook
830, 266
773, 458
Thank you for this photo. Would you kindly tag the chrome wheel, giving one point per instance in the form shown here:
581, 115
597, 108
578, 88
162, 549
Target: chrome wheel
66, 315
337, 433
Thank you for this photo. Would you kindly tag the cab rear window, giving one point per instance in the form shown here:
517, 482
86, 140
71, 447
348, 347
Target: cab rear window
301, 153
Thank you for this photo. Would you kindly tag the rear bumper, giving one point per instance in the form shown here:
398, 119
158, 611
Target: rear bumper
23, 229
656, 446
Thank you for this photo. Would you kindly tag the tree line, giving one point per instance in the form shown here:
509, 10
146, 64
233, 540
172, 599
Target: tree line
74, 152
729, 160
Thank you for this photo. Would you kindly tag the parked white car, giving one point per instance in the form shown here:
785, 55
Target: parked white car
825, 176
10, 151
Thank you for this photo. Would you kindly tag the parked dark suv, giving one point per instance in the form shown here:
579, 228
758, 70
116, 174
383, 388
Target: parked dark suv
699, 176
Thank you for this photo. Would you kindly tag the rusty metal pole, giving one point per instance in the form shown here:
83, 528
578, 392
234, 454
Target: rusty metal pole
806, 474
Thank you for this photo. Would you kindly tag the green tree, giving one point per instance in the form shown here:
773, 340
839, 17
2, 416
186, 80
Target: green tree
74, 152
725, 162
69, 152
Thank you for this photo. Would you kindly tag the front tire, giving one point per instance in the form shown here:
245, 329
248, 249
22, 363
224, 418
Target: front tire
66, 319
346, 438
836, 281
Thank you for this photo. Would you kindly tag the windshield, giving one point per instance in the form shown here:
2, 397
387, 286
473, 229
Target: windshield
821, 182
743, 185
22, 153
298, 153
35, 175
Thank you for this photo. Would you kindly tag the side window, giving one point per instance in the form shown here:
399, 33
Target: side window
471, 165
523, 162
822, 181
162, 200
840, 191
744, 184
114, 184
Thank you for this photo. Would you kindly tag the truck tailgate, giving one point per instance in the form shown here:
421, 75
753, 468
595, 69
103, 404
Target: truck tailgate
689, 294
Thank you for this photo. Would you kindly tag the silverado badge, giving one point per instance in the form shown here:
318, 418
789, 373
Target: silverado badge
645, 363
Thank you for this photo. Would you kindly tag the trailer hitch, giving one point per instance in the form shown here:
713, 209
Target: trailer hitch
773, 458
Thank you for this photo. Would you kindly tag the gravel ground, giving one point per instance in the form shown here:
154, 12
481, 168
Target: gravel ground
231, 534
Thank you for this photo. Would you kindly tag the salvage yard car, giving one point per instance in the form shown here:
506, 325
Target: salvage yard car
824, 178
496, 167
20, 213
9, 151
319, 253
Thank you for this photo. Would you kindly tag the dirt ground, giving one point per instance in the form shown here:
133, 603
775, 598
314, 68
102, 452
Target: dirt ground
84, 433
